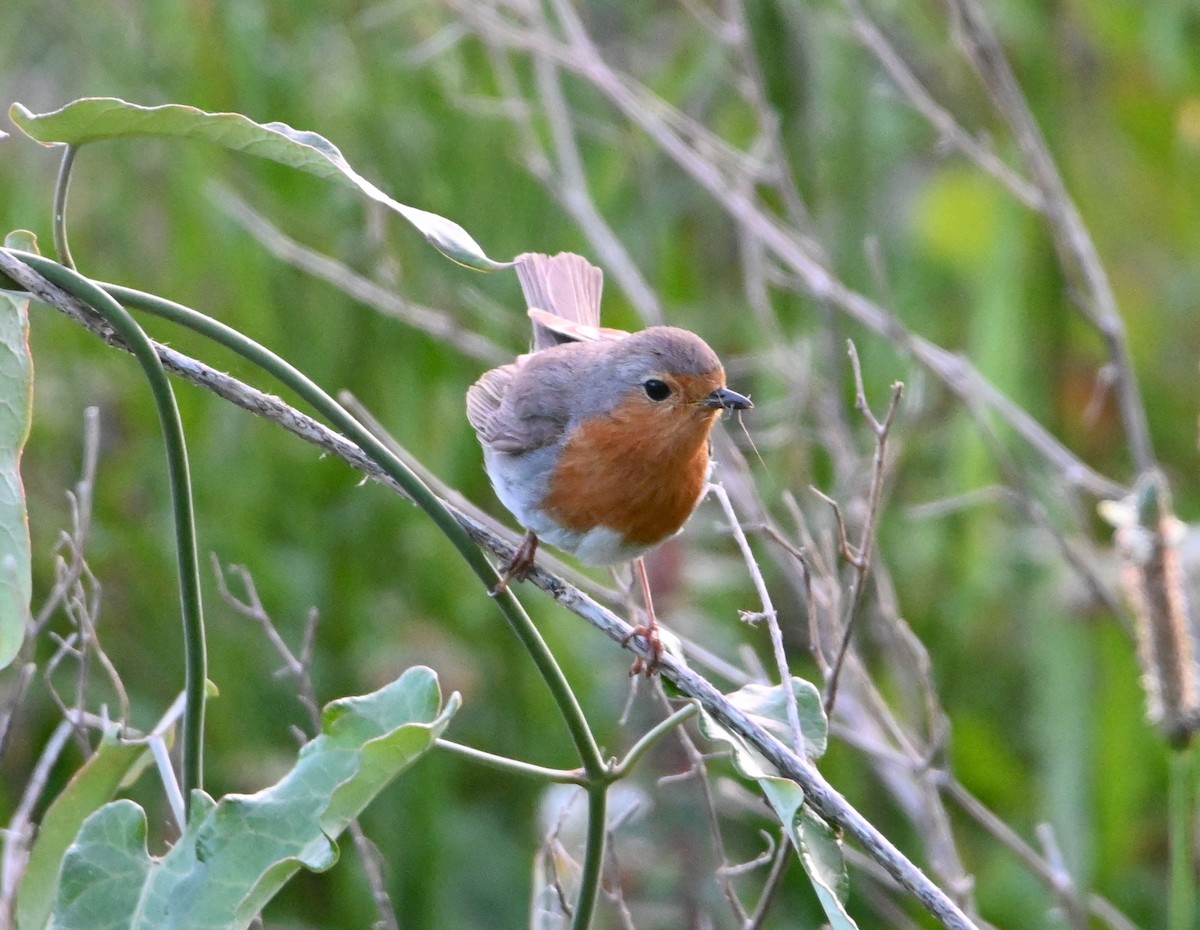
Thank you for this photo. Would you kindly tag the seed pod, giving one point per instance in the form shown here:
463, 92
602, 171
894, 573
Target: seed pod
1147, 538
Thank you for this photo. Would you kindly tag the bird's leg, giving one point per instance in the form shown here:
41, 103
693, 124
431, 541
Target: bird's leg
649, 629
520, 566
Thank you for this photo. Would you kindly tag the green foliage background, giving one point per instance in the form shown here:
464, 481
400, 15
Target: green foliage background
1044, 700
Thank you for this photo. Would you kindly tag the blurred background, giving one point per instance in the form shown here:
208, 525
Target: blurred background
1039, 710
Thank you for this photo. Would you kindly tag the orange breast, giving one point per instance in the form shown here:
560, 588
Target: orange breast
639, 471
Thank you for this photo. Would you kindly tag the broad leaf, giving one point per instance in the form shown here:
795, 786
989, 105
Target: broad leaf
767, 707
16, 412
238, 852
93, 119
93, 785
819, 848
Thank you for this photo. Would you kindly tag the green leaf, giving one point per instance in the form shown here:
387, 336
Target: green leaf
93, 119
819, 847
16, 413
92, 785
238, 852
767, 707
105, 870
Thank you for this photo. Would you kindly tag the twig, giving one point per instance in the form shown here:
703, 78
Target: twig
1076, 250
697, 769
300, 669
436, 323
1064, 885
571, 188
860, 555
770, 892
768, 613
918, 97
20, 826
75, 540
1096, 905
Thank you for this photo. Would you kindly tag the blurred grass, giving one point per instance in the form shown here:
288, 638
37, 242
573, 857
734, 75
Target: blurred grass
1118, 95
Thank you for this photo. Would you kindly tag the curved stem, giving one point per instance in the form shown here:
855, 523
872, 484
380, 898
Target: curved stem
195, 654
595, 770
416, 488
61, 186
593, 764
514, 766
652, 736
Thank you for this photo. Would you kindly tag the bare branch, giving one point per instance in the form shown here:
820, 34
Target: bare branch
436, 323
768, 613
1076, 250
918, 97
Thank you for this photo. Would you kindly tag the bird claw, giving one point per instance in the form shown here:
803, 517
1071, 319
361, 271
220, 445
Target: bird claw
654, 646
521, 565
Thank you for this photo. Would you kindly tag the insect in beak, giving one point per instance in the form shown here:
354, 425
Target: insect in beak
725, 399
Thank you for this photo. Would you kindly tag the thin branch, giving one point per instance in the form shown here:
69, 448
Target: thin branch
770, 892
861, 555
1096, 905
436, 323
943, 122
768, 613
1076, 250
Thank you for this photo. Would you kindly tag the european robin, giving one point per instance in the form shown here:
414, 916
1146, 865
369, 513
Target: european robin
597, 441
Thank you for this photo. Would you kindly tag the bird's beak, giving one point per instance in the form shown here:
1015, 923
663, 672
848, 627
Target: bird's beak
725, 399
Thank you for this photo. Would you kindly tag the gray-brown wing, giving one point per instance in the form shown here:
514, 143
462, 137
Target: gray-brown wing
514, 411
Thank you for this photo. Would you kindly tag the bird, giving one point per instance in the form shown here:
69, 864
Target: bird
598, 440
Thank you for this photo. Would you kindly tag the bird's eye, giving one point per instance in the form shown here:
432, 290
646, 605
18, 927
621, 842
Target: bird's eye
656, 390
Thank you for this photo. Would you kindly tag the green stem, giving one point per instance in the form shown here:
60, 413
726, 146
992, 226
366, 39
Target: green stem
1181, 907
652, 736
594, 767
593, 855
60, 206
195, 654
514, 766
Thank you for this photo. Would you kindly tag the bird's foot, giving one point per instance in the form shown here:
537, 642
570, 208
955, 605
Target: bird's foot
520, 566
654, 645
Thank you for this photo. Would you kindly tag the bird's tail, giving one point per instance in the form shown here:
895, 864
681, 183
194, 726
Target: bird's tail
565, 285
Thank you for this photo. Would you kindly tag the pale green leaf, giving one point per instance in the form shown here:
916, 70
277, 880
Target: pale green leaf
767, 706
92, 119
16, 412
92, 785
819, 847
238, 852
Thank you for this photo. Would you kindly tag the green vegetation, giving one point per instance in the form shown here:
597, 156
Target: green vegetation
802, 188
